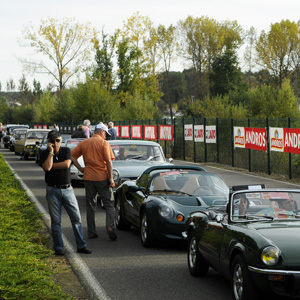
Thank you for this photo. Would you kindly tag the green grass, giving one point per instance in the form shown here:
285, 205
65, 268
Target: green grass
25, 268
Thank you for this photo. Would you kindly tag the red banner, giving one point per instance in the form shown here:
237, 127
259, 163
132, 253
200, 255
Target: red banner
291, 140
150, 132
136, 131
166, 132
256, 138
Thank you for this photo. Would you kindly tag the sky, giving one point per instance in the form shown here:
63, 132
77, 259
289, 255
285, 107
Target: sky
111, 14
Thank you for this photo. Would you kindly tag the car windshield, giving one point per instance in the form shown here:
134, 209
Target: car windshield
191, 182
138, 152
265, 205
36, 134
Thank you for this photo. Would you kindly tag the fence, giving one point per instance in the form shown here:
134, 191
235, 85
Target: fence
223, 151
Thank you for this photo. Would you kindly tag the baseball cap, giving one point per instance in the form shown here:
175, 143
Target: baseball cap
53, 134
103, 127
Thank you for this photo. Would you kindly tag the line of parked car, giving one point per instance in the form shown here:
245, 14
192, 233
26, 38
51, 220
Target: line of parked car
249, 234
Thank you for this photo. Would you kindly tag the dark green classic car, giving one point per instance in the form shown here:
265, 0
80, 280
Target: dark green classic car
255, 243
159, 201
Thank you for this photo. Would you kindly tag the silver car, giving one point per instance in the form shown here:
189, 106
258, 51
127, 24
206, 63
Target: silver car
140, 155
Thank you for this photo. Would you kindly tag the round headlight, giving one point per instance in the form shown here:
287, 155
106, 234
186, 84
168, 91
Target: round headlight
166, 212
116, 175
270, 255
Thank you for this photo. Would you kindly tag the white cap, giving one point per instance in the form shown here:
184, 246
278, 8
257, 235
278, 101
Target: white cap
103, 127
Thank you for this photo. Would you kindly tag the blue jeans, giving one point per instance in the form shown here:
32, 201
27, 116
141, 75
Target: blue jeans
58, 198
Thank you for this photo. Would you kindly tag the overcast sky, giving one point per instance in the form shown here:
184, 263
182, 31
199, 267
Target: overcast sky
111, 14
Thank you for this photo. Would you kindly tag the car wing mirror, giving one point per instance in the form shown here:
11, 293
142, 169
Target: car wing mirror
219, 218
133, 188
37, 143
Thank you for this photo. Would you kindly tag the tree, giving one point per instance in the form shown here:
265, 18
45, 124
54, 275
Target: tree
10, 85
65, 46
167, 43
45, 108
278, 49
104, 60
202, 39
225, 74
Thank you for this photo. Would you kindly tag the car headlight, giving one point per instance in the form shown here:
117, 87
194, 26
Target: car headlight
29, 147
270, 256
166, 212
116, 176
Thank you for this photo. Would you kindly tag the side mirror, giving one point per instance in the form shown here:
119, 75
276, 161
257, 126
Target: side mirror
133, 188
170, 160
219, 218
37, 143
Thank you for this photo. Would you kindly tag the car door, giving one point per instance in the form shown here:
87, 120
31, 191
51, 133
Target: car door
212, 240
132, 205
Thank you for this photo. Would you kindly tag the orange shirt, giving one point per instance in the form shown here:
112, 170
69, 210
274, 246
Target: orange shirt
95, 152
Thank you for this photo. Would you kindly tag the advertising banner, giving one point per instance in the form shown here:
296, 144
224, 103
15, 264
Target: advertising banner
150, 132
239, 137
210, 134
291, 140
276, 139
256, 138
165, 132
198, 133
136, 132
125, 131
188, 132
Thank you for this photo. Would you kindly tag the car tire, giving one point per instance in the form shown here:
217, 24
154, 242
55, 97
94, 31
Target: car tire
198, 267
242, 287
121, 223
37, 159
146, 234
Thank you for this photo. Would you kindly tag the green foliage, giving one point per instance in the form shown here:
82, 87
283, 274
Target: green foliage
94, 102
24, 114
225, 74
139, 106
24, 269
45, 108
266, 101
65, 107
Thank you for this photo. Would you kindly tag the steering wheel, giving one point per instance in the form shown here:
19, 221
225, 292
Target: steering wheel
202, 188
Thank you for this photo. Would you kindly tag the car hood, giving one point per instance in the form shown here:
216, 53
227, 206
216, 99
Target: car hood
285, 235
135, 168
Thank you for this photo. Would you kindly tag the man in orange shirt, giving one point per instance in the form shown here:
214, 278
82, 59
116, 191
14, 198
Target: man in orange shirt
98, 179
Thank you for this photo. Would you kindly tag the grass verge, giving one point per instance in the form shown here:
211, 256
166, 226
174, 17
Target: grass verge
25, 268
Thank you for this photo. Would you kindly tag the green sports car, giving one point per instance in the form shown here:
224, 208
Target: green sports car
255, 242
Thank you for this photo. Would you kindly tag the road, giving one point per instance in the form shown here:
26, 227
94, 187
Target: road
123, 269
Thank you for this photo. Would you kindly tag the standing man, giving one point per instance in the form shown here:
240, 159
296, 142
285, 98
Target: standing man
97, 174
56, 162
112, 131
87, 124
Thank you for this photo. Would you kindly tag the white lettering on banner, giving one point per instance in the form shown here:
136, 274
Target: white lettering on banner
125, 131
256, 138
150, 133
166, 133
292, 140
136, 132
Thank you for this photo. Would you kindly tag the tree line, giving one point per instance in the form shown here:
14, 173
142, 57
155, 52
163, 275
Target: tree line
127, 74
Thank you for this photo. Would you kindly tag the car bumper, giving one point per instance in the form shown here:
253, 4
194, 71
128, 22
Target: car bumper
281, 282
30, 152
76, 176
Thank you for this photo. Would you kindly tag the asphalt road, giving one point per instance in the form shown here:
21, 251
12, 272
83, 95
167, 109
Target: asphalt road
123, 269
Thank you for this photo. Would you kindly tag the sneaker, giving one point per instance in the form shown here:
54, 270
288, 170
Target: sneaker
84, 250
59, 252
112, 234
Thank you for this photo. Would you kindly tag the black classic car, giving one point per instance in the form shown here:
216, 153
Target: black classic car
255, 242
160, 200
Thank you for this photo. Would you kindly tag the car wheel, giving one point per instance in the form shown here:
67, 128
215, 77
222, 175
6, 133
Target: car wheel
198, 267
36, 159
147, 237
241, 283
26, 156
121, 223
